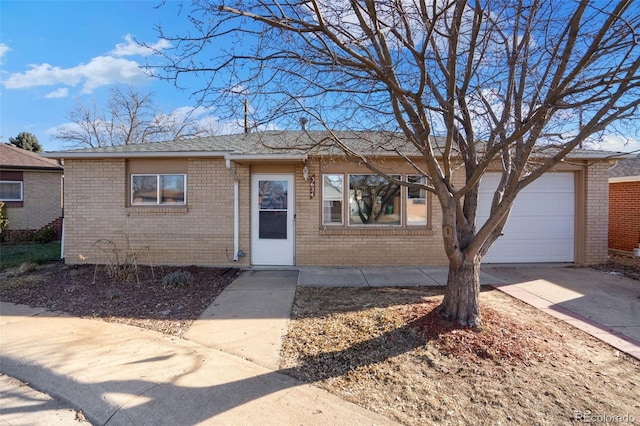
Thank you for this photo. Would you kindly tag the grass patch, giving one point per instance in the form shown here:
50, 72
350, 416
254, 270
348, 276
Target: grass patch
12, 255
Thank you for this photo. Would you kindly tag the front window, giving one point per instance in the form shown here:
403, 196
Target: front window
373, 200
332, 196
416, 202
152, 189
10, 190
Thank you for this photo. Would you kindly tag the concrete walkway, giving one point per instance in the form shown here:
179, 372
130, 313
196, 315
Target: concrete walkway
379, 277
225, 369
250, 317
123, 375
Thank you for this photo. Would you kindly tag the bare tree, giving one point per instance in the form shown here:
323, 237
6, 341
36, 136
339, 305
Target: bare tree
500, 82
129, 118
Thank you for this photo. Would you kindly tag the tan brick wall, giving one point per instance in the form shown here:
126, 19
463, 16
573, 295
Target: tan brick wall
317, 245
42, 193
199, 234
624, 215
597, 213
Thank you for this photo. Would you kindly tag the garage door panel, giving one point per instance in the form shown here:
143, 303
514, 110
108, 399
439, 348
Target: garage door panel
543, 205
530, 229
541, 224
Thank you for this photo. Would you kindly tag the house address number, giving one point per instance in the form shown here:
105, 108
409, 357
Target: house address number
312, 186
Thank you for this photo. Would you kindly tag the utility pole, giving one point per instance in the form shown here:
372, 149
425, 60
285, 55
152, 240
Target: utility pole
246, 116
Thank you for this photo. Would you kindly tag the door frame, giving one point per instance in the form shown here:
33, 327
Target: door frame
284, 247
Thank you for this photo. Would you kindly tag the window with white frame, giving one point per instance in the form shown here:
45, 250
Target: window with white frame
332, 199
158, 189
11, 190
374, 200
416, 201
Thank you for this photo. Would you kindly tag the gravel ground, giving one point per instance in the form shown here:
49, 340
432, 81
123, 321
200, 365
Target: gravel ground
626, 265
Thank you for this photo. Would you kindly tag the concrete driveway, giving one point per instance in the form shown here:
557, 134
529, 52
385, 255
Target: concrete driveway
602, 304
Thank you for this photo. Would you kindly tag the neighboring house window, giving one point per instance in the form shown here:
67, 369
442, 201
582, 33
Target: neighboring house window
373, 200
155, 189
11, 190
416, 202
332, 198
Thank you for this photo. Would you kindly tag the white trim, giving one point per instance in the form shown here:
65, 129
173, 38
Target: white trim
158, 202
624, 179
236, 210
258, 157
14, 200
173, 154
341, 199
273, 252
137, 154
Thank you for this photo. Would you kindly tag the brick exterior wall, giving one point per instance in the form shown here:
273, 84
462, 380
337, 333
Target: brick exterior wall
201, 233
624, 215
42, 201
317, 245
597, 213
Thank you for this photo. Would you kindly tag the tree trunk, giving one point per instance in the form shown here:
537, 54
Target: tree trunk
460, 301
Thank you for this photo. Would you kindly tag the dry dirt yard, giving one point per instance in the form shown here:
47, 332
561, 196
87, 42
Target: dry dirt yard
385, 348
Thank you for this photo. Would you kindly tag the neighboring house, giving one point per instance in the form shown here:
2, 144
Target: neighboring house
251, 200
624, 205
31, 189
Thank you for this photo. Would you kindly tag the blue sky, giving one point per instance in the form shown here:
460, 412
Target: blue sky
54, 54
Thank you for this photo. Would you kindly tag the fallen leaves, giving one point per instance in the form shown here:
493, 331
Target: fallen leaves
388, 350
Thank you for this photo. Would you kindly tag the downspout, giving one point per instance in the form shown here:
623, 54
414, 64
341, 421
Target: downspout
62, 230
236, 213
62, 239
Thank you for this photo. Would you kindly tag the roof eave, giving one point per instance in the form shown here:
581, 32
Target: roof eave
623, 179
33, 168
601, 155
67, 155
266, 157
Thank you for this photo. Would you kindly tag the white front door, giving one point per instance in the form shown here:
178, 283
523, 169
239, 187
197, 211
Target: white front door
272, 219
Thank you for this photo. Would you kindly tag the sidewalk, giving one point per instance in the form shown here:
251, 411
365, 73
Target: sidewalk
123, 375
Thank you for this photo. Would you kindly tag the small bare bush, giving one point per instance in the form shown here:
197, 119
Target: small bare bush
179, 278
122, 263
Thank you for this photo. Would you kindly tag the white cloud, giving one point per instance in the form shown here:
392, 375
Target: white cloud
101, 71
62, 92
104, 70
615, 143
3, 51
132, 48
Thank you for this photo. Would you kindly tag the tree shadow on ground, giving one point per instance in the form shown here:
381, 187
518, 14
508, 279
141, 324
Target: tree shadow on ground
183, 400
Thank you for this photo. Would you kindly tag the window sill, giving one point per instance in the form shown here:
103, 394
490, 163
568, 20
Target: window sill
157, 209
409, 231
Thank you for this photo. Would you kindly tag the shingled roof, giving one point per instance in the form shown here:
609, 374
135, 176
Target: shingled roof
282, 144
14, 158
625, 168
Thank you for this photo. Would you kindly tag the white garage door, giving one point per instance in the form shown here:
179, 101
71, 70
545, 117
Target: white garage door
541, 225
